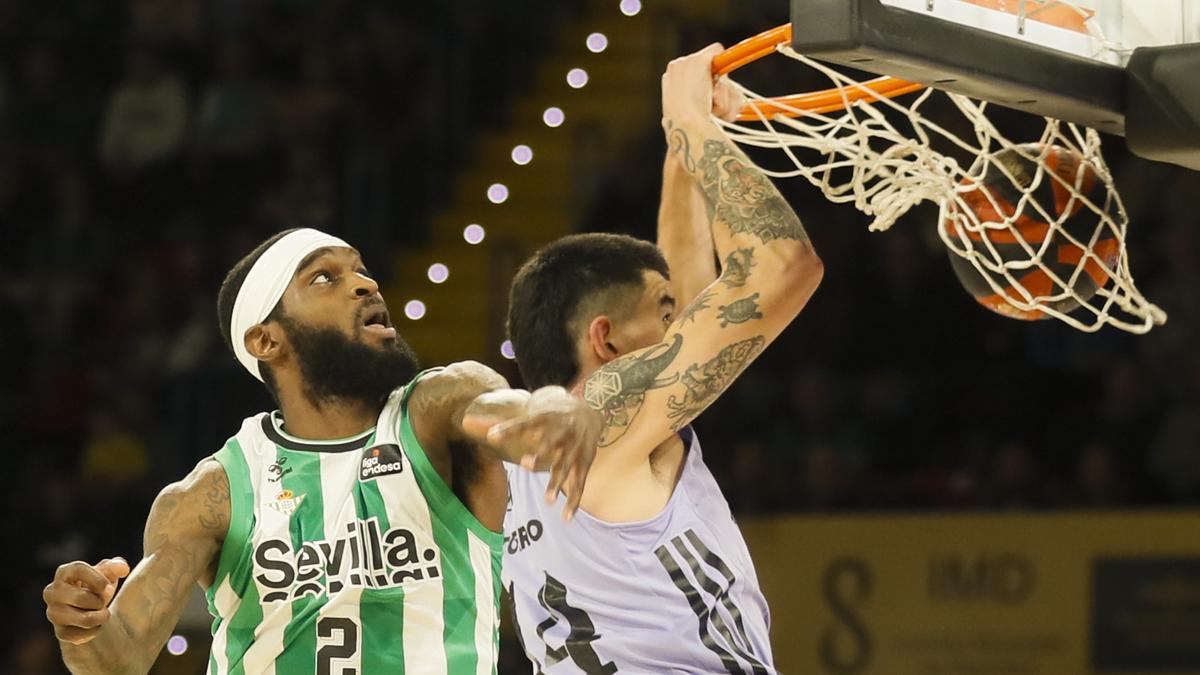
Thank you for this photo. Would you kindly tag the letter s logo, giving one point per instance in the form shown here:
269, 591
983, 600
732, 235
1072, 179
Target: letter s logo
847, 584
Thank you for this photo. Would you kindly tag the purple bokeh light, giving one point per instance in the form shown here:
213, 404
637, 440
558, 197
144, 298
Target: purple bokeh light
414, 309
438, 273
554, 116
474, 234
577, 78
497, 193
522, 155
597, 42
506, 350
631, 7
177, 645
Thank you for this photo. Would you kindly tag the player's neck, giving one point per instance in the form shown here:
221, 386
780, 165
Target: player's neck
327, 419
588, 365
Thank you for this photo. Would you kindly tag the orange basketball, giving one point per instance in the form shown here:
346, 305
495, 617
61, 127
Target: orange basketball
1062, 257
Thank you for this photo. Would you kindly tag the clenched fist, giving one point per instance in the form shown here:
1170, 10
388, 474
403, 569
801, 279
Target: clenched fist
77, 600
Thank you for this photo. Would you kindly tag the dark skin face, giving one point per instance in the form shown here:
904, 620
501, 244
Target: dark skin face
330, 289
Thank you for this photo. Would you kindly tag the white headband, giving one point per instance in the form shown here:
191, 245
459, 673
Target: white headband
264, 286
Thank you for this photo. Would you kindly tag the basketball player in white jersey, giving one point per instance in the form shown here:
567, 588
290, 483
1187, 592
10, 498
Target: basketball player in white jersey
652, 575
355, 529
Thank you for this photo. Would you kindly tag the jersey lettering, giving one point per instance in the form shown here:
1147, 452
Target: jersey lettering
362, 557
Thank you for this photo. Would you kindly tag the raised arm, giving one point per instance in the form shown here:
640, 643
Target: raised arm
770, 271
184, 533
684, 221
684, 234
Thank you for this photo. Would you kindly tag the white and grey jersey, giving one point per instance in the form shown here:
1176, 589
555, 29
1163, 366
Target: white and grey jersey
676, 593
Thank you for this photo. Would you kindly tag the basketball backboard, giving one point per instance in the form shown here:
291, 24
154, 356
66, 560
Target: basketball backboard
1128, 67
1101, 30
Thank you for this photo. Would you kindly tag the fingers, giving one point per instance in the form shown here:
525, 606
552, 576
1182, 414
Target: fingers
728, 101
557, 474
83, 575
478, 426
113, 569
524, 432
573, 493
69, 617
710, 52
569, 477
69, 595
76, 636
72, 624
687, 85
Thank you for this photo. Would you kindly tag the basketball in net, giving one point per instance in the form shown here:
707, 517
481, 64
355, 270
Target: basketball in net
1035, 228
1032, 205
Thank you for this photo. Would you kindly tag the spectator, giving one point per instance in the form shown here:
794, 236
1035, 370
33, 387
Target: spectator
167, 21
1015, 481
310, 109
146, 117
307, 195
51, 116
114, 458
1098, 480
232, 120
1175, 448
829, 481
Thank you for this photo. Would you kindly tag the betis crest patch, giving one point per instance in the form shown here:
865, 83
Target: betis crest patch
286, 502
381, 460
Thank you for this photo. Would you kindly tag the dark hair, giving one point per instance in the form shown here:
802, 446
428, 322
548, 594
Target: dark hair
227, 296
576, 275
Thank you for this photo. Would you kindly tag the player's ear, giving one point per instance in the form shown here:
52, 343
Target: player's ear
600, 333
265, 341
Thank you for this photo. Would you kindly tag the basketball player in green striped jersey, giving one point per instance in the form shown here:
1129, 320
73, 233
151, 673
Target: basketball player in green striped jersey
356, 530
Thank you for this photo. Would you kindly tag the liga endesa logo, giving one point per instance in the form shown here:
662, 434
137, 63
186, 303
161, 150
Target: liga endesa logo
381, 460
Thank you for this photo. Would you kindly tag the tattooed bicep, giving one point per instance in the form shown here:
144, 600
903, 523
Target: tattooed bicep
704, 382
196, 507
618, 389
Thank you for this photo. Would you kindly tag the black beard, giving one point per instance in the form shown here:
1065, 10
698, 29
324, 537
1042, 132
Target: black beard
334, 367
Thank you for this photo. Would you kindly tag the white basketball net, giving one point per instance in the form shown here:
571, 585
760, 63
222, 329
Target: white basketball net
858, 155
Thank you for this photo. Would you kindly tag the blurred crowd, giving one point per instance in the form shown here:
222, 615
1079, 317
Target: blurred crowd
147, 145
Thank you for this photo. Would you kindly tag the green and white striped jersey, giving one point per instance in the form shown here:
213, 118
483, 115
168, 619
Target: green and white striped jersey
350, 557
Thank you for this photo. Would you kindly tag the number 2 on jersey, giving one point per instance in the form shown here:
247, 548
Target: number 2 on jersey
341, 649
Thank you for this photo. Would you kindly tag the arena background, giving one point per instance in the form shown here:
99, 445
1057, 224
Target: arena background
927, 488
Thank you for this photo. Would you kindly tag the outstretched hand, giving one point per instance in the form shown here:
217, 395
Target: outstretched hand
557, 432
78, 598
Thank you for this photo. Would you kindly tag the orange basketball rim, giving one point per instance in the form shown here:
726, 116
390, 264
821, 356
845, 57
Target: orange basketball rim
796, 105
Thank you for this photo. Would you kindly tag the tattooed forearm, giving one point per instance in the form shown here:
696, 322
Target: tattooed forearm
689, 312
156, 602
739, 311
704, 383
680, 145
744, 198
618, 390
183, 538
443, 397
184, 524
737, 267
